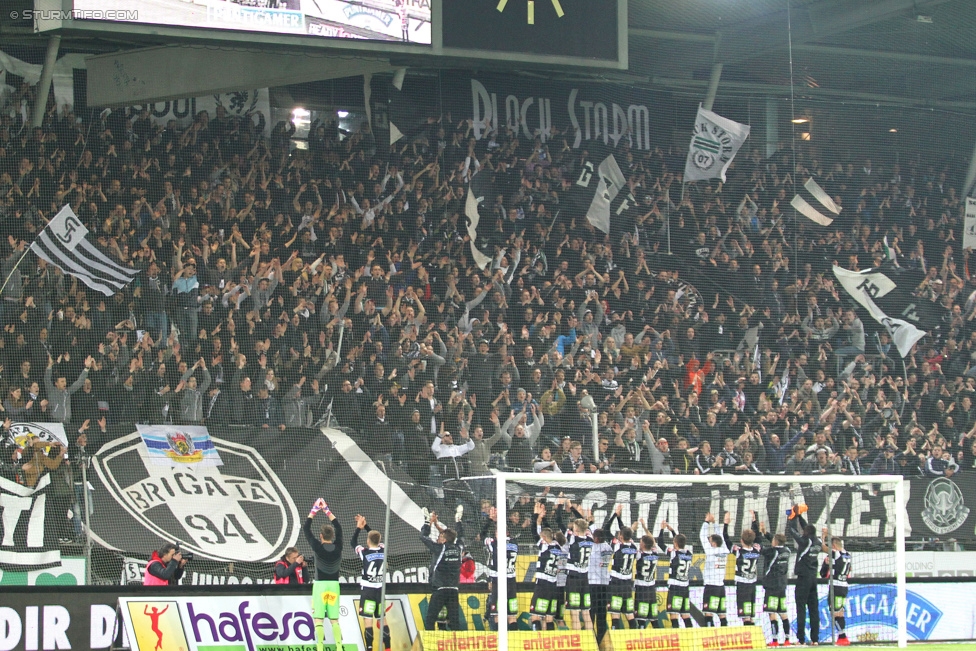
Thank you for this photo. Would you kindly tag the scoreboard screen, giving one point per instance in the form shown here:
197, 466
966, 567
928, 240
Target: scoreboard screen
403, 21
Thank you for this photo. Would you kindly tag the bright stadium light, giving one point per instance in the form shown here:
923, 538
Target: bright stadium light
342, 114
301, 117
800, 120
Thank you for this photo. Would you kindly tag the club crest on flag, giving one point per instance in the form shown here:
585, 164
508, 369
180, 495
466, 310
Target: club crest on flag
714, 144
64, 244
66, 229
181, 448
708, 145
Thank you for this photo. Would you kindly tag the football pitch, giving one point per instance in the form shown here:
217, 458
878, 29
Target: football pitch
914, 646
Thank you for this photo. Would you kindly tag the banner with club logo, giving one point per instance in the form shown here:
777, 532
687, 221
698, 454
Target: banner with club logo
248, 510
713, 146
21, 432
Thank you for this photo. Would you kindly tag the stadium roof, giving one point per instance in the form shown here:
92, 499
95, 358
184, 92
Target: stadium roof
913, 53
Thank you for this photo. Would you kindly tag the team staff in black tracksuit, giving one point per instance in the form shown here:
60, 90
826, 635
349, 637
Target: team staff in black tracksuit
808, 548
445, 573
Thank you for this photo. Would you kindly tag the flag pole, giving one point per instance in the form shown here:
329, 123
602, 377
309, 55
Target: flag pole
10, 275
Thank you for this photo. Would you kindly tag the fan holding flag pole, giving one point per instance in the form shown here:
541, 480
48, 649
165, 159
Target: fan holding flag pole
64, 243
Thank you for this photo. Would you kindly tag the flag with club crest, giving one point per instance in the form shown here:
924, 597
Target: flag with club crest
713, 146
64, 243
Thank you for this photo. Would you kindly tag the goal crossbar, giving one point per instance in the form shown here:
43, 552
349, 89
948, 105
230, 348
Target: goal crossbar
502, 480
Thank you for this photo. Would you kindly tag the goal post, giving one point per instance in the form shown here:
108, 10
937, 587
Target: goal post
866, 512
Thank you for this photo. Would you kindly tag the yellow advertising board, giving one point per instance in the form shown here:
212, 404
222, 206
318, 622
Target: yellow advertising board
651, 639
684, 639
551, 641
737, 638
724, 638
458, 640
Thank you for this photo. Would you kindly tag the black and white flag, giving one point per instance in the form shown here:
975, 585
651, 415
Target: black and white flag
475, 209
904, 315
599, 182
64, 243
714, 144
819, 195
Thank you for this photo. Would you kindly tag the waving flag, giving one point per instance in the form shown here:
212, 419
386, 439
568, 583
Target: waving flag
904, 316
714, 144
475, 206
820, 195
599, 182
64, 243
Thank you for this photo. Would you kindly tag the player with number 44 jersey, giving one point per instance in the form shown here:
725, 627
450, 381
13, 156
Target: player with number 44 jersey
371, 580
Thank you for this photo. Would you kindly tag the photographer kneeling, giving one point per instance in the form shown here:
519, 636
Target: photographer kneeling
165, 567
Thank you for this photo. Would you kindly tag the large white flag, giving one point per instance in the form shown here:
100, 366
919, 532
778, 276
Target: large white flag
716, 142
64, 243
969, 224
611, 180
803, 206
864, 288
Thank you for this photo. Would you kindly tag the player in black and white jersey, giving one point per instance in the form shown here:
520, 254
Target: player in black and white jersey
559, 538
838, 579
371, 580
622, 574
546, 596
716, 558
579, 541
578, 603
489, 535
679, 560
776, 570
645, 583
747, 555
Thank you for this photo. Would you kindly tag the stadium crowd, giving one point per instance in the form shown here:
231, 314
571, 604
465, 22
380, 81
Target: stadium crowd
281, 285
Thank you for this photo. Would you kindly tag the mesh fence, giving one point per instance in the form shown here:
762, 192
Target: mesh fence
292, 270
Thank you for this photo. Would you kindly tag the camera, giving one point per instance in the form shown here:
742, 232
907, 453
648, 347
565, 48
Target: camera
187, 556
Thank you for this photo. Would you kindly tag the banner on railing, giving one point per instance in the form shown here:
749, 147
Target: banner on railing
250, 509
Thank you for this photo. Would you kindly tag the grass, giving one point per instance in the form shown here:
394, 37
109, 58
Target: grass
915, 646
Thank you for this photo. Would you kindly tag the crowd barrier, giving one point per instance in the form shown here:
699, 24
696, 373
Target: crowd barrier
240, 516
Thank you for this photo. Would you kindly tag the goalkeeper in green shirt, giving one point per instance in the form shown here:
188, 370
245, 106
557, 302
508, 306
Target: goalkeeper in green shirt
328, 556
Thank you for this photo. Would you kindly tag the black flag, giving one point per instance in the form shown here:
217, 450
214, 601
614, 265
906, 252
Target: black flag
598, 183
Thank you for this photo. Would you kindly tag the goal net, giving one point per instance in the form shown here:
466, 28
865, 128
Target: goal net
721, 590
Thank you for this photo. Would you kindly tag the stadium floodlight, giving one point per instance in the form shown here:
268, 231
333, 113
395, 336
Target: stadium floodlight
842, 504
